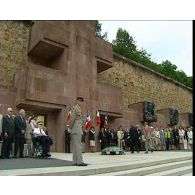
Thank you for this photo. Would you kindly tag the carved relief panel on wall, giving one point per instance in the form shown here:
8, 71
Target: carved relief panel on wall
149, 114
174, 116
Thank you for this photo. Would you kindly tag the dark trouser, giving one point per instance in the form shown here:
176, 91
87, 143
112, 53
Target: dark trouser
103, 144
6, 146
19, 144
67, 146
167, 143
139, 144
142, 143
135, 145
45, 141
107, 143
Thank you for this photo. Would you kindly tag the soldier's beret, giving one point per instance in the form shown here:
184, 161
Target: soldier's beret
80, 99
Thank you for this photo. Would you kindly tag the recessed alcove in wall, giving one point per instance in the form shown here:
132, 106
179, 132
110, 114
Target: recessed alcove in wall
49, 54
49, 43
102, 65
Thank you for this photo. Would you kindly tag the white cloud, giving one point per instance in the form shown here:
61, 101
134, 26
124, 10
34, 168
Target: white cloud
165, 40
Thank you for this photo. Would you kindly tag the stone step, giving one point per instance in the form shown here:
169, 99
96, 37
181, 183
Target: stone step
188, 174
180, 172
101, 169
174, 172
150, 169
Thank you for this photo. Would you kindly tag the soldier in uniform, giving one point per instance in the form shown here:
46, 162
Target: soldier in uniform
76, 124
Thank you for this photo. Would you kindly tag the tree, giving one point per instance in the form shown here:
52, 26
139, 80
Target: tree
99, 31
189, 81
124, 44
169, 69
144, 58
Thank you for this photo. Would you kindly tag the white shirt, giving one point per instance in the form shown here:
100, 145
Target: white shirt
39, 132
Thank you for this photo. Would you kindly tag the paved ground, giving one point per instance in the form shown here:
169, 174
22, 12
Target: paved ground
28, 163
98, 161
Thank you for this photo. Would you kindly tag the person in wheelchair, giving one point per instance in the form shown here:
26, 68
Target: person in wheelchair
43, 139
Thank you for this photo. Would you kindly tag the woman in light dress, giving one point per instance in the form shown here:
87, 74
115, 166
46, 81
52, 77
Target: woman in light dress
181, 138
92, 138
31, 125
157, 139
33, 121
190, 138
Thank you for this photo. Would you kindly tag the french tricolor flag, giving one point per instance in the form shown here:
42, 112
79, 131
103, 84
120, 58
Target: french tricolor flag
98, 118
106, 121
88, 122
69, 114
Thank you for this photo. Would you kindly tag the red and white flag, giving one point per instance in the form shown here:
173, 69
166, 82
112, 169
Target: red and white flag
69, 114
98, 118
88, 122
106, 121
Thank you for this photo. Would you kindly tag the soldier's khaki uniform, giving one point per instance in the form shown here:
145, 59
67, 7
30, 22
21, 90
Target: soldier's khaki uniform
76, 124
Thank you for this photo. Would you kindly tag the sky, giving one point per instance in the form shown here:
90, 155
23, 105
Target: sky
164, 40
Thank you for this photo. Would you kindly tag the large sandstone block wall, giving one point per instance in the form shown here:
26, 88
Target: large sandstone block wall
14, 36
139, 84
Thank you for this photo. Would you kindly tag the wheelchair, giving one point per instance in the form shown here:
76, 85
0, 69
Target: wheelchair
37, 147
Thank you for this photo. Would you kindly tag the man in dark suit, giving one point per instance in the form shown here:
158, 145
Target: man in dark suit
20, 128
67, 140
102, 138
134, 137
8, 133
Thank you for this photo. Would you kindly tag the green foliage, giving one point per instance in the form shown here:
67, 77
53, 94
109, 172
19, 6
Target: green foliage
99, 31
189, 81
125, 45
168, 69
